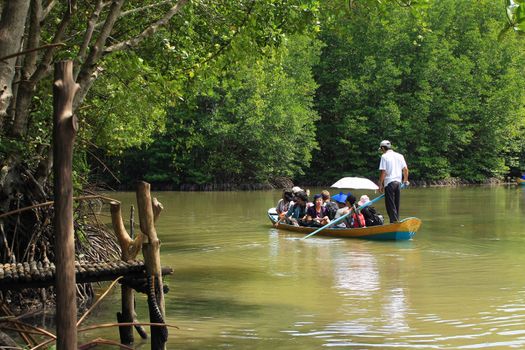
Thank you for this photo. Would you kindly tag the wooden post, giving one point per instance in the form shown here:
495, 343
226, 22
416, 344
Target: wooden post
127, 302
129, 252
148, 210
132, 222
64, 131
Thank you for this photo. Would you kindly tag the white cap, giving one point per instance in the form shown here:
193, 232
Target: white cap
364, 199
385, 143
296, 189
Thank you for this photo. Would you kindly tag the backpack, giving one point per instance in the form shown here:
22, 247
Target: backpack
355, 220
372, 218
358, 220
331, 208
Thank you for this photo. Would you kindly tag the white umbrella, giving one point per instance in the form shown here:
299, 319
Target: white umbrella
356, 183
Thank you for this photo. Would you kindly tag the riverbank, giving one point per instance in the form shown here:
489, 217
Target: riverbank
287, 183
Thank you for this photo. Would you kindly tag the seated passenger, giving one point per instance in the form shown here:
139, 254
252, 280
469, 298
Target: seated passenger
297, 212
340, 200
354, 220
317, 215
297, 189
329, 205
284, 203
372, 217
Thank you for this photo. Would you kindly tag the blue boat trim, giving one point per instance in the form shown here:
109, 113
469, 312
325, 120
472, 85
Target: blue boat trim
390, 236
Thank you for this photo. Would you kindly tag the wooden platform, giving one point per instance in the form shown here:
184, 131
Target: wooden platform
39, 274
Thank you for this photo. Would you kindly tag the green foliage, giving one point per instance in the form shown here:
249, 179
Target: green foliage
127, 104
242, 122
229, 56
516, 14
224, 92
441, 87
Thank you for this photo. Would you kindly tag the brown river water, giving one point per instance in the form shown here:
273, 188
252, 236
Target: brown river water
238, 283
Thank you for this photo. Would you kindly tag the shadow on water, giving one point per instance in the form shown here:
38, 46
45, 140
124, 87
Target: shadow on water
215, 274
199, 301
211, 307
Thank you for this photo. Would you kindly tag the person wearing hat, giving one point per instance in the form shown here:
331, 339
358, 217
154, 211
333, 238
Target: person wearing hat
297, 212
392, 170
354, 219
296, 189
372, 217
340, 199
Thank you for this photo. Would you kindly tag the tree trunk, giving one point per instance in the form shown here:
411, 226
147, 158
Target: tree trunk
27, 88
12, 27
64, 132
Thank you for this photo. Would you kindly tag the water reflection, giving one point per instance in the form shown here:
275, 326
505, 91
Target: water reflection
395, 309
356, 274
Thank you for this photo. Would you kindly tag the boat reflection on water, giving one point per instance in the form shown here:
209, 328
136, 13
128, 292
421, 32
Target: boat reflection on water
358, 279
356, 274
361, 282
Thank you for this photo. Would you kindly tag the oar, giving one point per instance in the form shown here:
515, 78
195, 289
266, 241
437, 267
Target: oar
350, 212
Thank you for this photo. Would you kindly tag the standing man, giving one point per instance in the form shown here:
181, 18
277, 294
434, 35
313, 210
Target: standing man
392, 169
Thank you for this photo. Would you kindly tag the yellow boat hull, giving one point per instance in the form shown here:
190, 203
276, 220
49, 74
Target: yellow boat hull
403, 230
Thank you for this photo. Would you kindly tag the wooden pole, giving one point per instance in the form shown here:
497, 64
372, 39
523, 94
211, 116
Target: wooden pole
148, 210
64, 131
127, 302
132, 222
126, 243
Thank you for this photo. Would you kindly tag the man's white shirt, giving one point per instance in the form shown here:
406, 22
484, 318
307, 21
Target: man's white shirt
392, 163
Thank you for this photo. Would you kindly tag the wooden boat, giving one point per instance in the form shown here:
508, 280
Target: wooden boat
403, 230
520, 181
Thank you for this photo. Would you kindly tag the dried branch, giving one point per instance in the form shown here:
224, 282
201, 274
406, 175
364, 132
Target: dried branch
98, 300
104, 165
14, 329
28, 339
34, 328
117, 324
101, 341
149, 30
31, 50
50, 203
